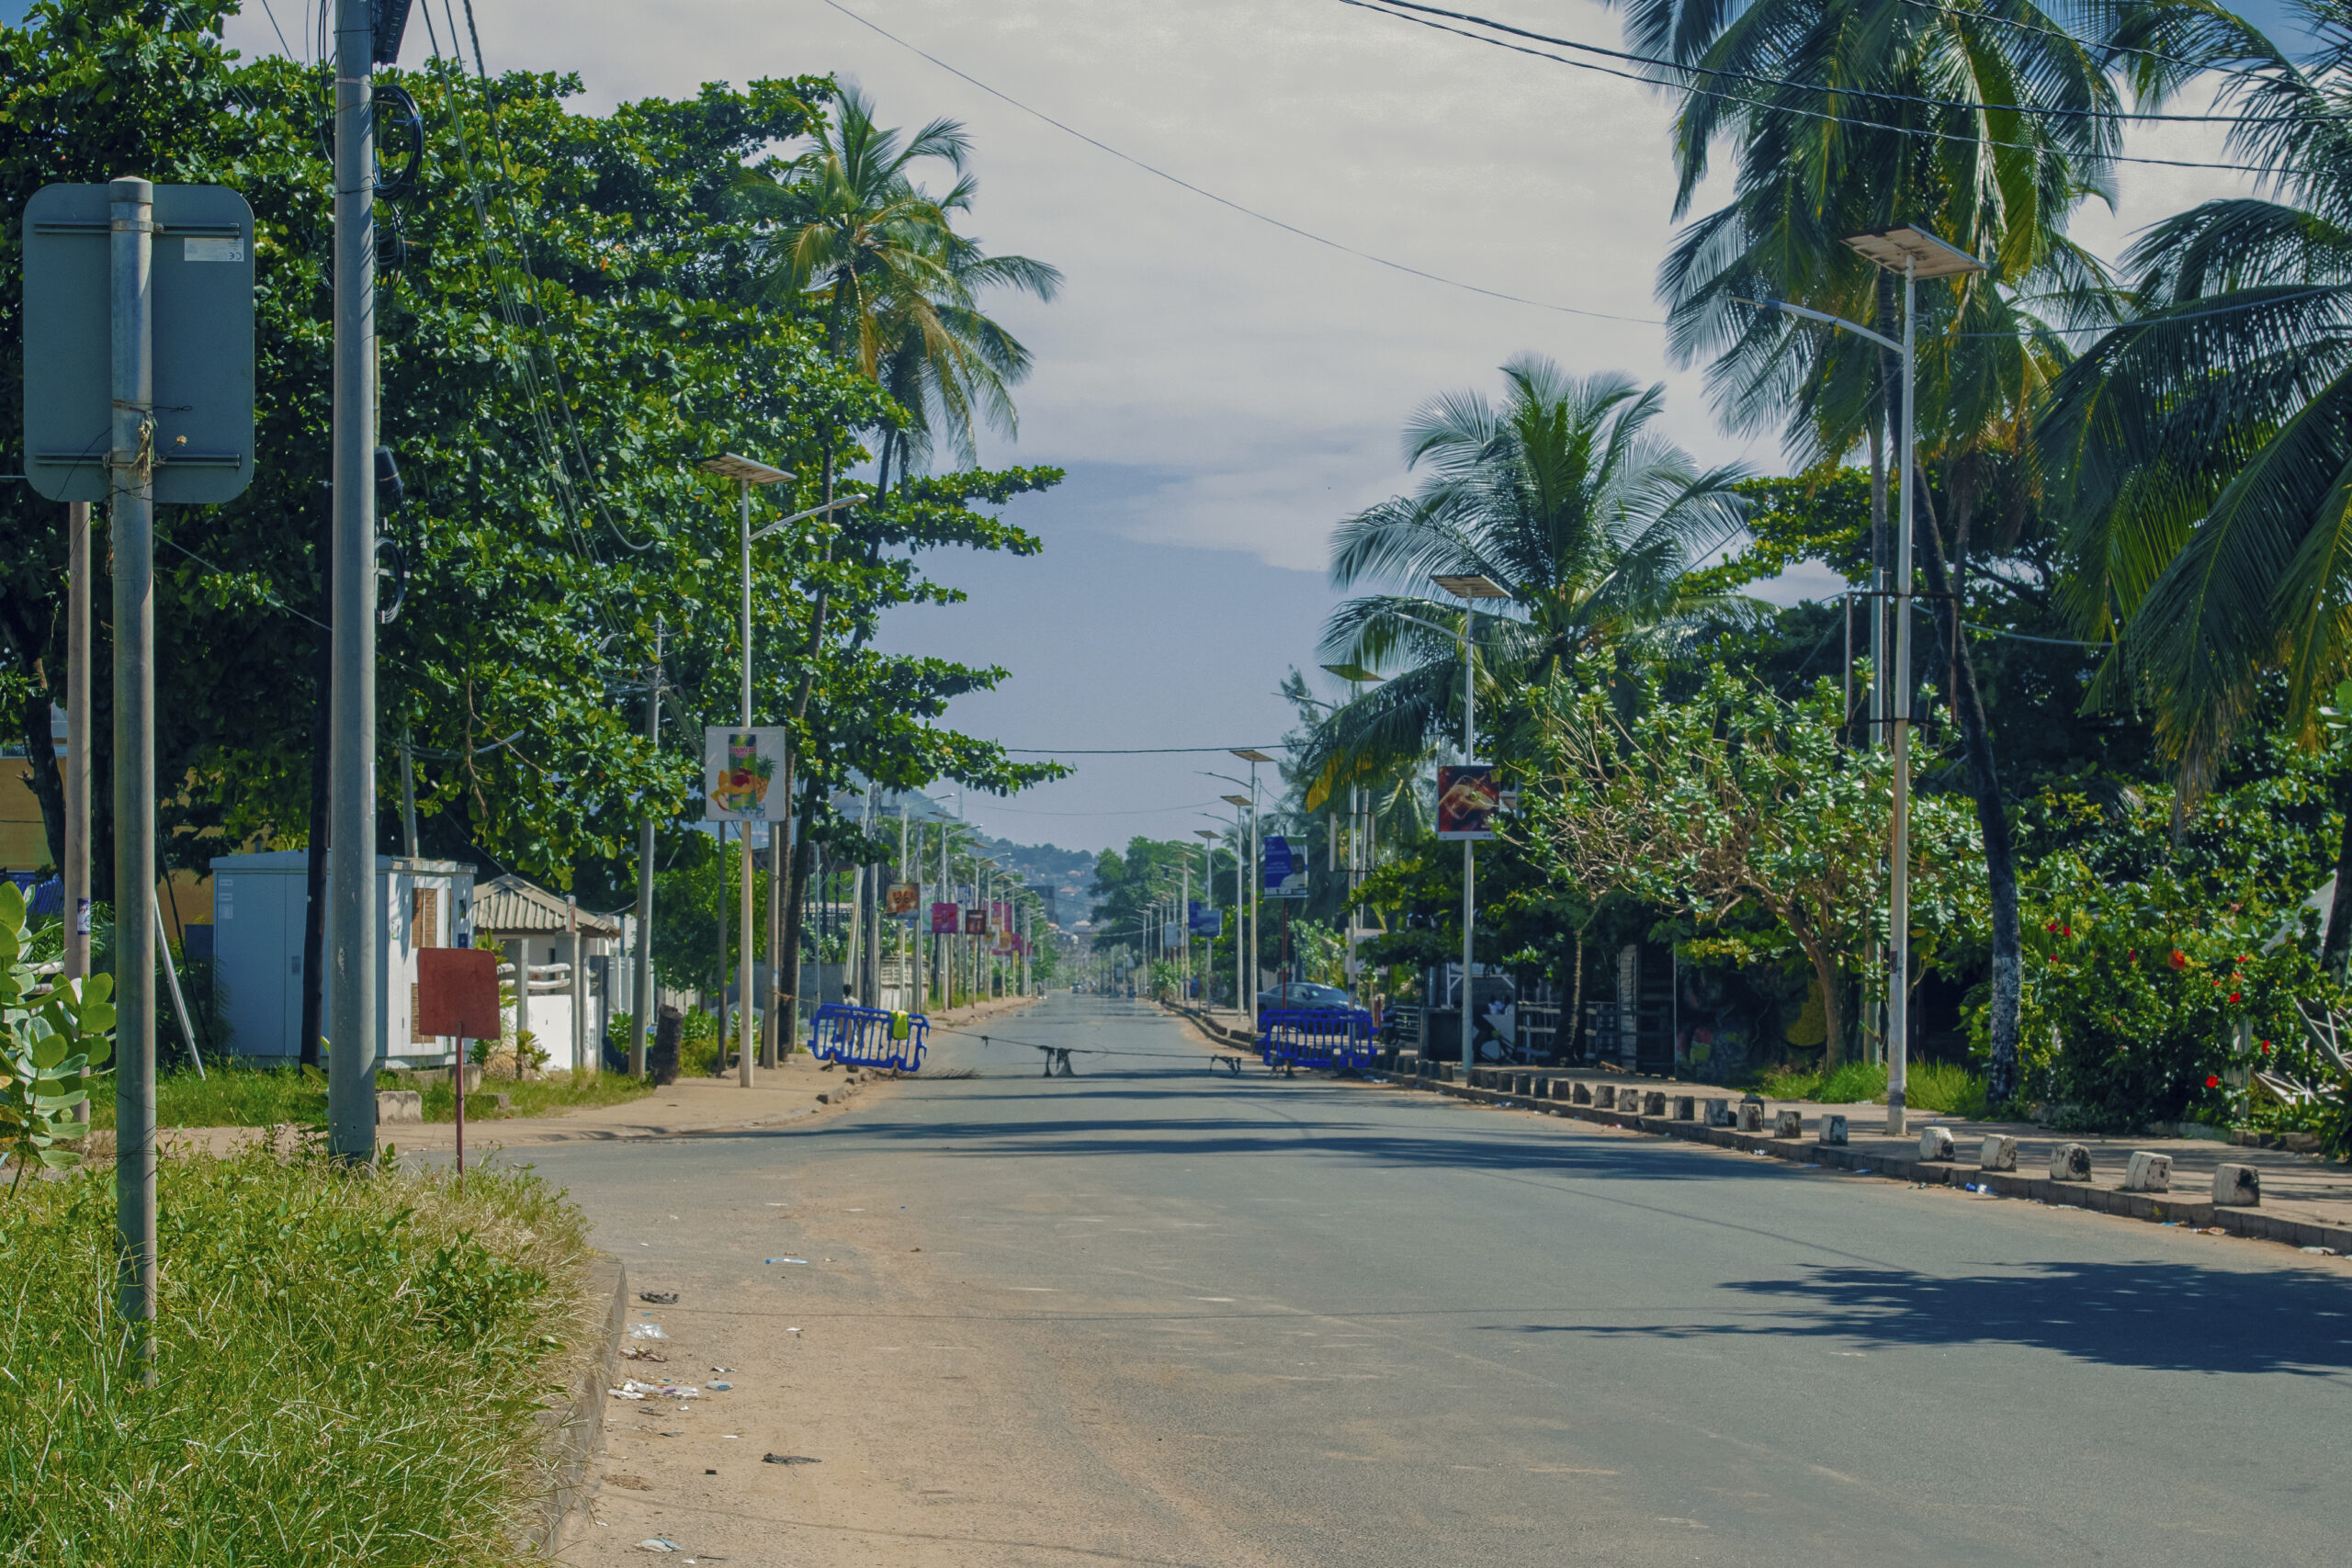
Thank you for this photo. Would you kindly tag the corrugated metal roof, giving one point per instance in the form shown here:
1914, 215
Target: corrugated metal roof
508, 905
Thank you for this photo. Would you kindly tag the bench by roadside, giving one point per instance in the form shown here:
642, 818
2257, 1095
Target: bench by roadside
2300, 1200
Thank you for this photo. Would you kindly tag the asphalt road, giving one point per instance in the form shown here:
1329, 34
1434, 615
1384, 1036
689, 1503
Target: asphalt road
1160, 1315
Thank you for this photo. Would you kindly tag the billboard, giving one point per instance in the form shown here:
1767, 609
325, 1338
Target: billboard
944, 921
737, 767
903, 896
1207, 922
1467, 798
1285, 869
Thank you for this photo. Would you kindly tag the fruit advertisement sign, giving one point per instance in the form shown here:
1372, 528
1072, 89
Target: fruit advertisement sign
739, 768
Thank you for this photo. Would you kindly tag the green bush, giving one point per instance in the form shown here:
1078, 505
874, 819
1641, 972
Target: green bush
347, 1370
1848, 1085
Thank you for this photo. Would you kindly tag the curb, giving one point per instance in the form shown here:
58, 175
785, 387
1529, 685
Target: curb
2155, 1208
572, 1434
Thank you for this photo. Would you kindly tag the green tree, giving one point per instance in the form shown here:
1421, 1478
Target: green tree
2198, 453
1564, 497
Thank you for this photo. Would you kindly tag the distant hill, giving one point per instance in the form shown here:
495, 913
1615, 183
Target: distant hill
1069, 872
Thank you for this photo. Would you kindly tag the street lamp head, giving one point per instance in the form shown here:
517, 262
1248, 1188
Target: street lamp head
1472, 586
1922, 252
1251, 755
1206, 833
744, 470
1353, 673
1237, 800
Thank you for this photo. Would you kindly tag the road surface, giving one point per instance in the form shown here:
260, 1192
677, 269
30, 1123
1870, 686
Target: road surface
1152, 1314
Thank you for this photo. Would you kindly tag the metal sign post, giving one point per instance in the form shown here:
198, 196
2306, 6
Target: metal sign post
138, 343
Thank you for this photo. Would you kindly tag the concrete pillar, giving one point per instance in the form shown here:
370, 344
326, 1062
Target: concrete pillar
2069, 1162
1833, 1131
2238, 1185
1935, 1142
1788, 1124
1998, 1151
2148, 1172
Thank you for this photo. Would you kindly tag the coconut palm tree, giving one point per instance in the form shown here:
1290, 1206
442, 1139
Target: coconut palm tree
878, 258
2200, 454
1560, 494
1986, 123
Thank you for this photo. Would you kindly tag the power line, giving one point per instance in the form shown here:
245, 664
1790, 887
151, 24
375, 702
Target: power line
1755, 79
1380, 6
1159, 173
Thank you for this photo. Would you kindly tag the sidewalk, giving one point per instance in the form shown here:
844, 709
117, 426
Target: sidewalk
803, 1092
2306, 1200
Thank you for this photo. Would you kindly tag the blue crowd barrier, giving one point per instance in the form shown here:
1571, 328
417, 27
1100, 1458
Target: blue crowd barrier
1316, 1037
860, 1037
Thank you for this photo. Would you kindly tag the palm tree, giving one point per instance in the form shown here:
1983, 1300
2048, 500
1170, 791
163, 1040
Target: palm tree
2198, 454
1984, 123
879, 259
1562, 496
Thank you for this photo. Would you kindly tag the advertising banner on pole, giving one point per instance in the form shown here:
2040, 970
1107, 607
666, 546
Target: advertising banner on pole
1207, 922
944, 919
903, 896
1285, 869
1467, 797
976, 922
1000, 915
738, 766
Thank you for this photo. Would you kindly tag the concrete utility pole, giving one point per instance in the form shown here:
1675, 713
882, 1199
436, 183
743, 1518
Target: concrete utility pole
644, 986
352, 916
131, 511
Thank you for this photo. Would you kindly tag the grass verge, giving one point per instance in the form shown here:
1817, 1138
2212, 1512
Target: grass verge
232, 1095
1941, 1086
347, 1369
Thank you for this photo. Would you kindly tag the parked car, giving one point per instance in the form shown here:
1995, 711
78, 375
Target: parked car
1303, 994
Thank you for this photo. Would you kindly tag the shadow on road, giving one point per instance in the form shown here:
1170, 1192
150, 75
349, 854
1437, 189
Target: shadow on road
2155, 1316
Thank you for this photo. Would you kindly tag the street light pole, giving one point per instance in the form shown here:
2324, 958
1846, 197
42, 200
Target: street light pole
644, 987
1917, 255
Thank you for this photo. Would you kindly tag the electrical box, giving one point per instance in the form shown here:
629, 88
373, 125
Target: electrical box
259, 902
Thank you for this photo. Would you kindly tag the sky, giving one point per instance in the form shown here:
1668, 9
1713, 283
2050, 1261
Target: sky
1222, 392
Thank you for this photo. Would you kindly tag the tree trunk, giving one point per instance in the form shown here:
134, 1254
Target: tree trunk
314, 907
795, 902
1992, 818
47, 780
1576, 1002
2335, 947
1833, 1005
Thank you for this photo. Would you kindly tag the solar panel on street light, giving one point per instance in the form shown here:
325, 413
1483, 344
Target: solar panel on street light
1237, 800
1926, 256
1353, 673
1249, 754
1472, 586
744, 470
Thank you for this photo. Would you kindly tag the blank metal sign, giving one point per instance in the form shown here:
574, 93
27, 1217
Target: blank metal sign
202, 286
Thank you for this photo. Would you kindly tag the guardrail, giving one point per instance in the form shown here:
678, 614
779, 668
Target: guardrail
868, 1037
1316, 1037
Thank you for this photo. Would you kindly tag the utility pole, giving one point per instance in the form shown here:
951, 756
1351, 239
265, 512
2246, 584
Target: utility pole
351, 809
644, 986
131, 512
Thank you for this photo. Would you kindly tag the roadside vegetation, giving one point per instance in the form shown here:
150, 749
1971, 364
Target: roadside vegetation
234, 1094
346, 1371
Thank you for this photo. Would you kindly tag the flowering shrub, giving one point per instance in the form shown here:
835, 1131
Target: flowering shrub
2142, 1004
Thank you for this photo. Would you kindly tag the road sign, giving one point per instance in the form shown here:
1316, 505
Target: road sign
457, 993
201, 291
1286, 869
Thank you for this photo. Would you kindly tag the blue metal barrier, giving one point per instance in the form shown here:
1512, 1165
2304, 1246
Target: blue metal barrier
1316, 1037
860, 1037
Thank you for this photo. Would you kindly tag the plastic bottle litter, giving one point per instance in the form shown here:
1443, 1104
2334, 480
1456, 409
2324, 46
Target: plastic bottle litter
788, 1260
722, 1385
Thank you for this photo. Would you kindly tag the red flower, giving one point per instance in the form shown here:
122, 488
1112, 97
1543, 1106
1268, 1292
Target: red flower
2235, 995
2180, 959
2265, 1047
2212, 1082
2065, 930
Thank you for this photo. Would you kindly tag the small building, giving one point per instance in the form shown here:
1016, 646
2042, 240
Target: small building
258, 904
569, 969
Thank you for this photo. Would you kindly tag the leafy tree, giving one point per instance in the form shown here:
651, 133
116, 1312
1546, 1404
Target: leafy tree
1740, 799
1563, 497
2198, 452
